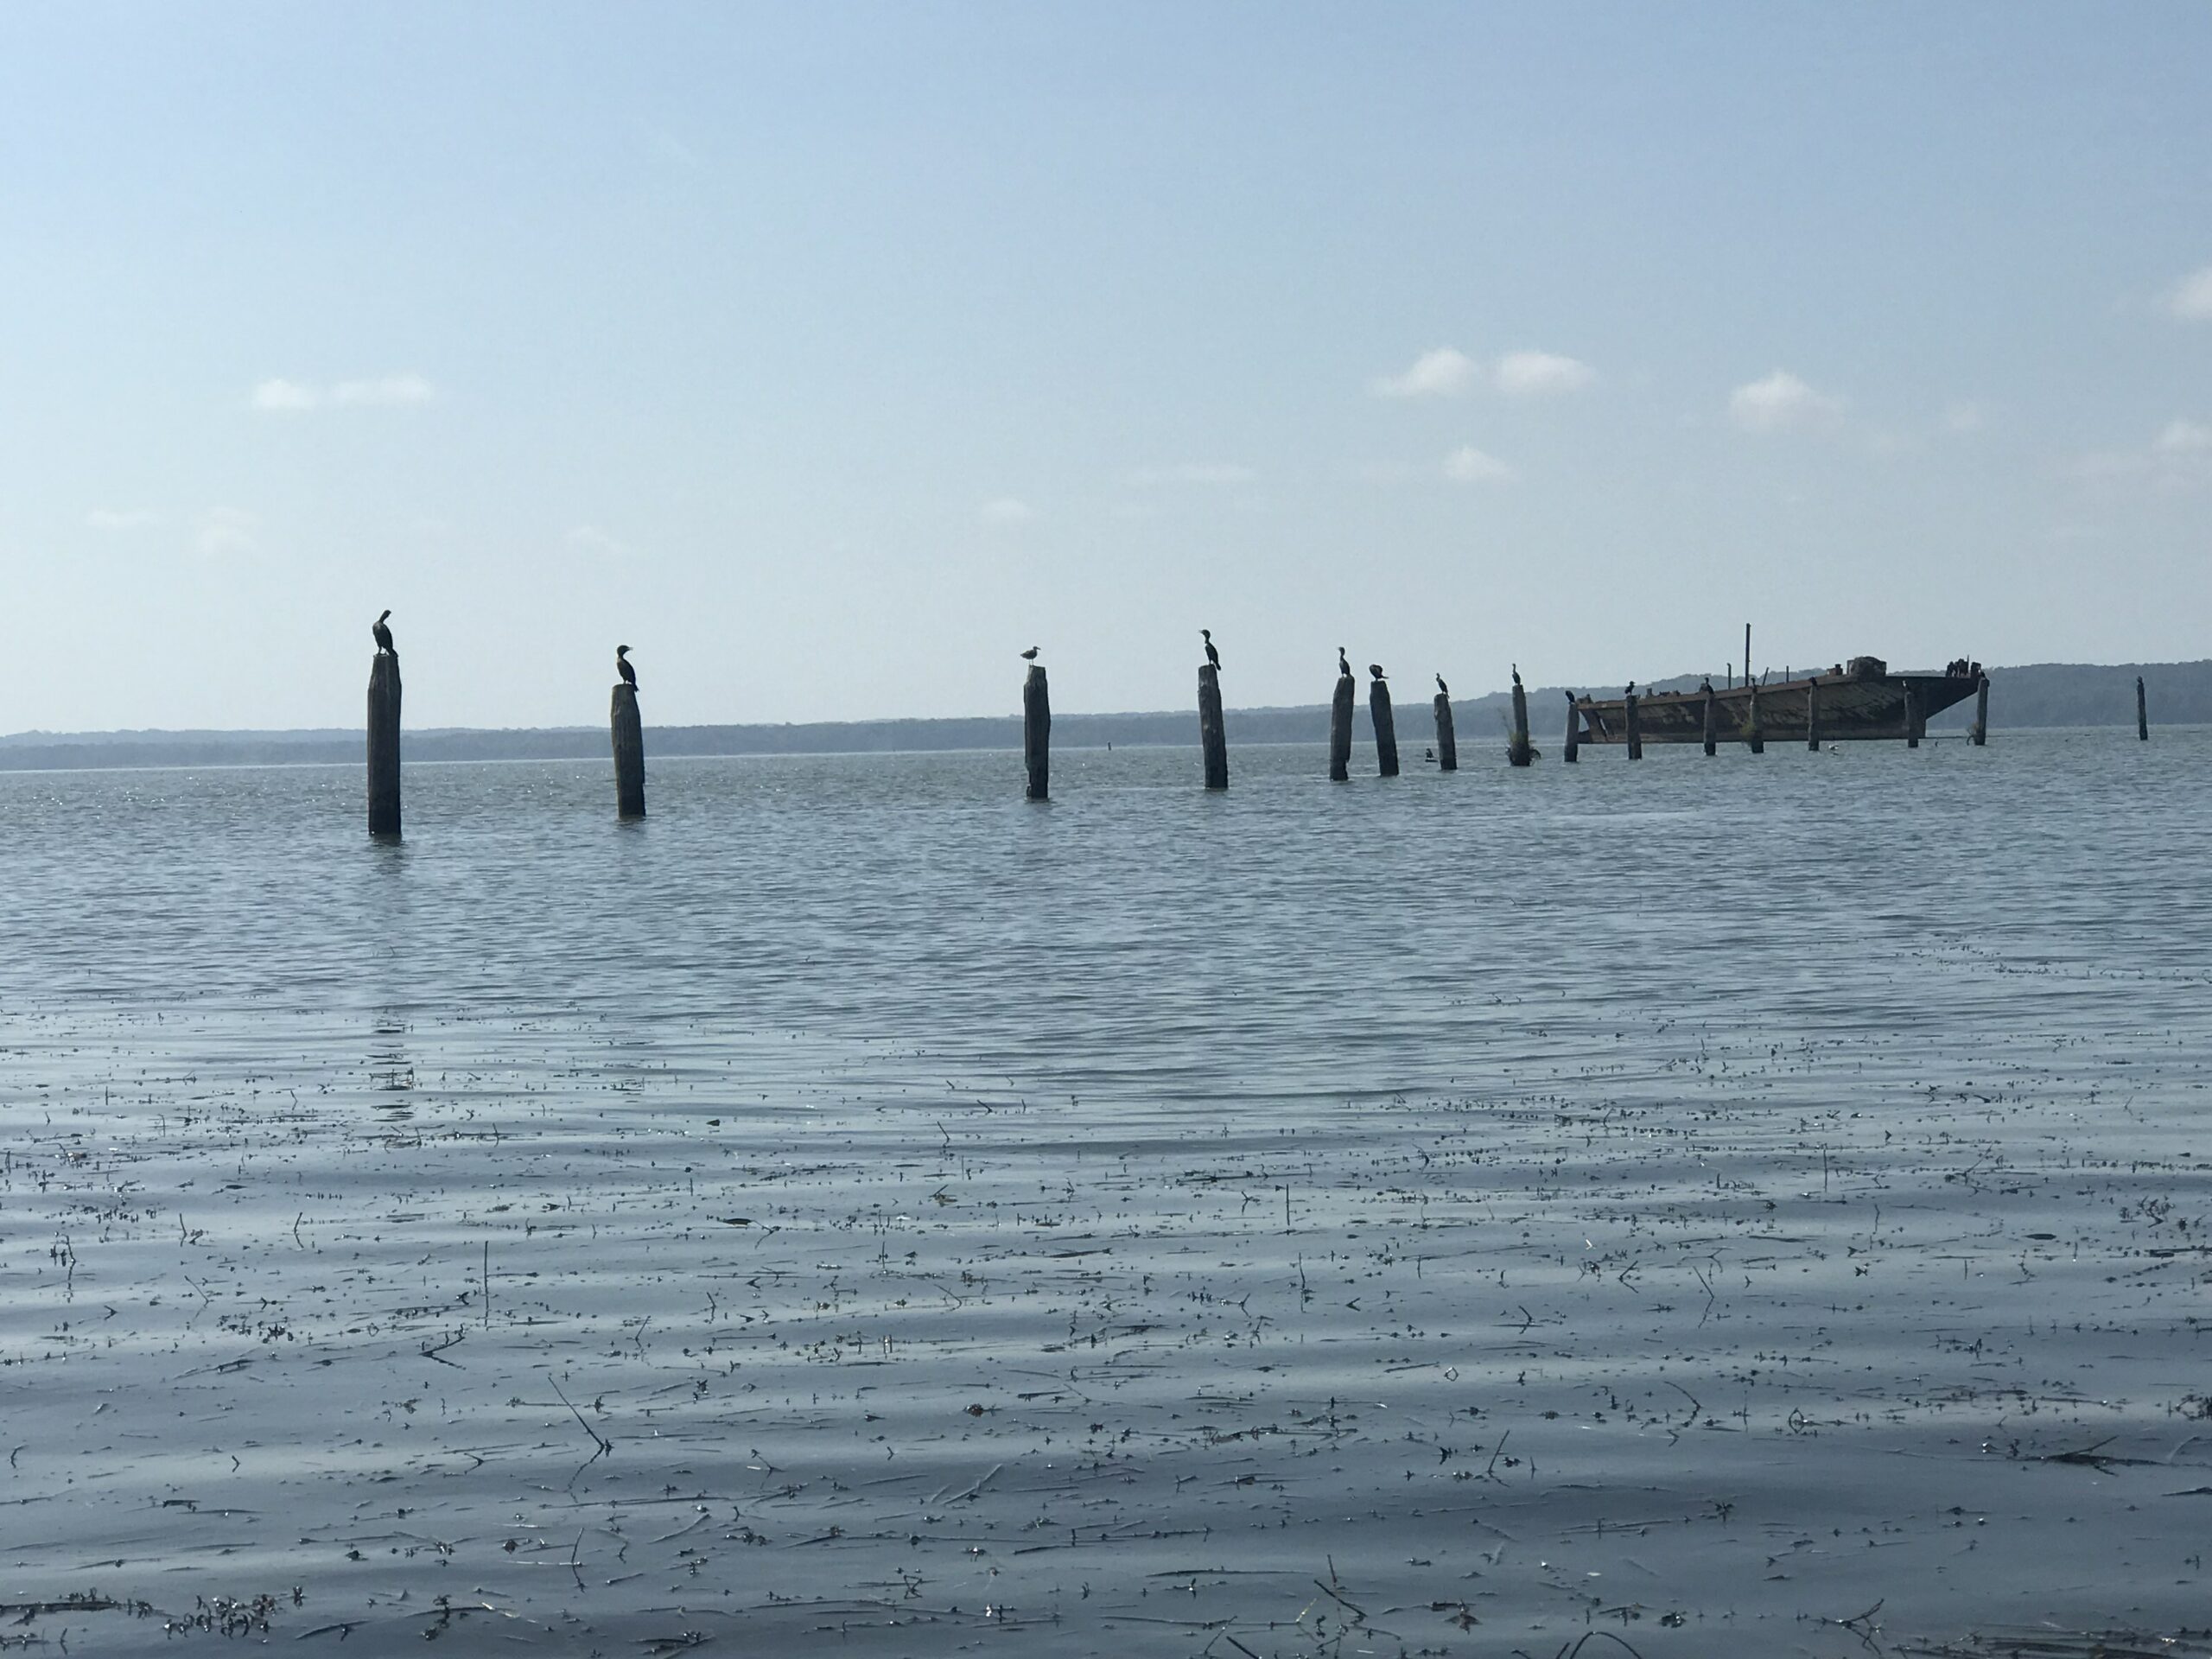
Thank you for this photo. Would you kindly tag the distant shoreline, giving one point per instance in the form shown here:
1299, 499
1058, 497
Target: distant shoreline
2036, 695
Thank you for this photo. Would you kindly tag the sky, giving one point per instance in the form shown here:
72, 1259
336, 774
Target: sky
828, 355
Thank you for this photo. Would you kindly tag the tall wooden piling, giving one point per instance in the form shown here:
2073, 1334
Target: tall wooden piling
1448, 745
1340, 731
1213, 738
1712, 721
1635, 727
384, 745
1574, 732
1813, 713
629, 752
1037, 732
2142, 713
1913, 724
1386, 728
1517, 750
1980, 733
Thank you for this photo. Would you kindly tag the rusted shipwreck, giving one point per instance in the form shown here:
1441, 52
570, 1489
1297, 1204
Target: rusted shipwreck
1858, 701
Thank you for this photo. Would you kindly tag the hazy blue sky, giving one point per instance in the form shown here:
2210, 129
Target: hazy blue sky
828, 355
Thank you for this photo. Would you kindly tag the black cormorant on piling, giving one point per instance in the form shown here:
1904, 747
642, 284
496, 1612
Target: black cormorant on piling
383, 636
1030, 655
622, 667
1213, 657
1343, 663
1376, 669
1441, 686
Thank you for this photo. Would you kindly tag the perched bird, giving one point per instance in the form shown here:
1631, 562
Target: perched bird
383, 635
1632, 690
1030, 655
1376, 669
622, 667
1516, 673
1441, 686
1213, 657
1343, 663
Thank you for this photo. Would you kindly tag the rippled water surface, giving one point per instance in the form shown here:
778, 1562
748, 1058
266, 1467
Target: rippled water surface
1740, 1206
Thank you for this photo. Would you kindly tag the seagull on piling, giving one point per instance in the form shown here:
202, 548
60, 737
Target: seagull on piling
381, 635
1030, 655
622, 667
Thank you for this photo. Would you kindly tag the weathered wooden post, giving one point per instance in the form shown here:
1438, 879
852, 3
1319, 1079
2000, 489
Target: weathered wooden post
1754, 734
1211, 736
1912, 724
1517, 752
1340, 730
1448, 745
1386, 727
1980, 733
1813, 713
1574, 732
2142, 713
1037, 732
1635, 727
383, 744
629, 752
1711, 719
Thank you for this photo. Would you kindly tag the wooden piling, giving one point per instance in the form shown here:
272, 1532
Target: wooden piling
1813, 714
1213, 738
1386, 728
384, 745
1712, 721
1517, 751
1635, 727
1340, 731
1754, 734
1448, 745
2142, 713
1913, 724
1980, 733
1574, 732
1037, 732
629, 752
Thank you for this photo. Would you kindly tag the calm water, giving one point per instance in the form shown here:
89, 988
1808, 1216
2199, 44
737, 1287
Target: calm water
1425, 1178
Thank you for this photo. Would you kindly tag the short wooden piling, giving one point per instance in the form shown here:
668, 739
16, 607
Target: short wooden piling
1754, 734
1980, 733
1340, 731
1386, 728
1913, 724
384, 745
2142, 713
1213, 738
1517, 751
1712, 720
1448, 745
1037, 732
1574, 732
629, 753
1635, 727
1813, 714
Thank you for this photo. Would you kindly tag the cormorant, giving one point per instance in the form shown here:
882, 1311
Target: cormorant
1632, 690
1441, 686
1213, 657
622, 667
1343, 663
1516, 673
1376, 669
383, 636
1030, 655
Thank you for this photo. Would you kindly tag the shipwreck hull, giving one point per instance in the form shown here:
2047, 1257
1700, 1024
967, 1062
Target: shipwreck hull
1848, 709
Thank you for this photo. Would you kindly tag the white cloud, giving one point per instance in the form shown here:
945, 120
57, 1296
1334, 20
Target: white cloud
1005, 510
384, 391
121, 519
2191, 299
1778, 403
1443, 372
2186, 438
1194, 472
2179, 458
1468, 465
1535, 374
225, 530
